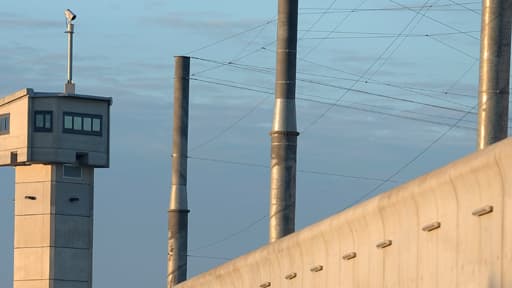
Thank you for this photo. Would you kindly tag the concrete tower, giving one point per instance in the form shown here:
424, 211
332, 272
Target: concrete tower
54, 141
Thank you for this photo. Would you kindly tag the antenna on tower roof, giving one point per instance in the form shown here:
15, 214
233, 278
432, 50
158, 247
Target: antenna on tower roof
69, 87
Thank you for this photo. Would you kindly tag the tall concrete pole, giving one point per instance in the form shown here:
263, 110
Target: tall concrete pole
494, 72
178, 206
284, 126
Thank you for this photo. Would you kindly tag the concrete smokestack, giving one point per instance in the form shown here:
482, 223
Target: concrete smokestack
178, 206
494, 72
284, 126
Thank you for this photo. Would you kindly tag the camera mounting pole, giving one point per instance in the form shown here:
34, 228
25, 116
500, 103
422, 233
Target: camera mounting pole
69, 87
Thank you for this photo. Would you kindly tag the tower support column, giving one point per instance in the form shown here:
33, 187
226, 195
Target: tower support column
53, 226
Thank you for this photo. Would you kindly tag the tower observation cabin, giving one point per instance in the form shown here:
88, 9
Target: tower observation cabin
44, 128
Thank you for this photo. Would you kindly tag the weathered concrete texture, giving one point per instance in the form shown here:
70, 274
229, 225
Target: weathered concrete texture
467, 250
282, 184
53, 228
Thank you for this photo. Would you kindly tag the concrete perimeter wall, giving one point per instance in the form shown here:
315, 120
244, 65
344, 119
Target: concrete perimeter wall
465, 251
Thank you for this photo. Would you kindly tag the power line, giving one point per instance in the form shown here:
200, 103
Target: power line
353, 11
383, 96
304, 171
359, 79
463, 75
231, 235
370, 35
267, 70
230, 126
454, 48
332, 30
224, 63
430, 6
259, 103
414, 159
401, 41
465, 7
437, 21
384, 113
209, 257
370, 80
322, 14
345, 106
231, 36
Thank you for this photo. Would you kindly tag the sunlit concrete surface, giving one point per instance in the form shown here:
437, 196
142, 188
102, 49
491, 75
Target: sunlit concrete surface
449, 228
53, 227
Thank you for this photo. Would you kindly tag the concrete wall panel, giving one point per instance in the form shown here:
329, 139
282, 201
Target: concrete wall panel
31, 263
16, 105
33, 198
32, 284
53, 228
34, 231
72, 199
436, 240
73, 231
69, 284
72, 264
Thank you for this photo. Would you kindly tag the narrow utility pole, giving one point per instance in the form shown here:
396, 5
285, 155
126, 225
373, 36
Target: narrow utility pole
284, 126
69, 87
493, 92
178, 206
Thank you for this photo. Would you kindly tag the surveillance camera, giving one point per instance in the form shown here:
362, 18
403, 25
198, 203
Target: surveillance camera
69, 15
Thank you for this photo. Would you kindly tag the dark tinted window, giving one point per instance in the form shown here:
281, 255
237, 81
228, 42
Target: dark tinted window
79, 123
43, 121
4, 124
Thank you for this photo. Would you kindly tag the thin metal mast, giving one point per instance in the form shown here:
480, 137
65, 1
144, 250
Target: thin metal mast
284, 127
69, 87
178, 206
494, 72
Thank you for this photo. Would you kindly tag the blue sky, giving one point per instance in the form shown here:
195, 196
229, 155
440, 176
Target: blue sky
378, 83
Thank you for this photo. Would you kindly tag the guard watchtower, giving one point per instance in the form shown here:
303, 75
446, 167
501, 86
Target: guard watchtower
54, 141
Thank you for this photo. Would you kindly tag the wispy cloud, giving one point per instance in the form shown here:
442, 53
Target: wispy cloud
11, 20
201, 21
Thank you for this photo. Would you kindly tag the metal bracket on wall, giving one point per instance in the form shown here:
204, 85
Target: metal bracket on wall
483, 210
431, 226
384, 244
350, 255
290, 276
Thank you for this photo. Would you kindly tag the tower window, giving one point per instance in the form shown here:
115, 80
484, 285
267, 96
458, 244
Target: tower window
78, 123
69, 171
43, 121
4, 124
